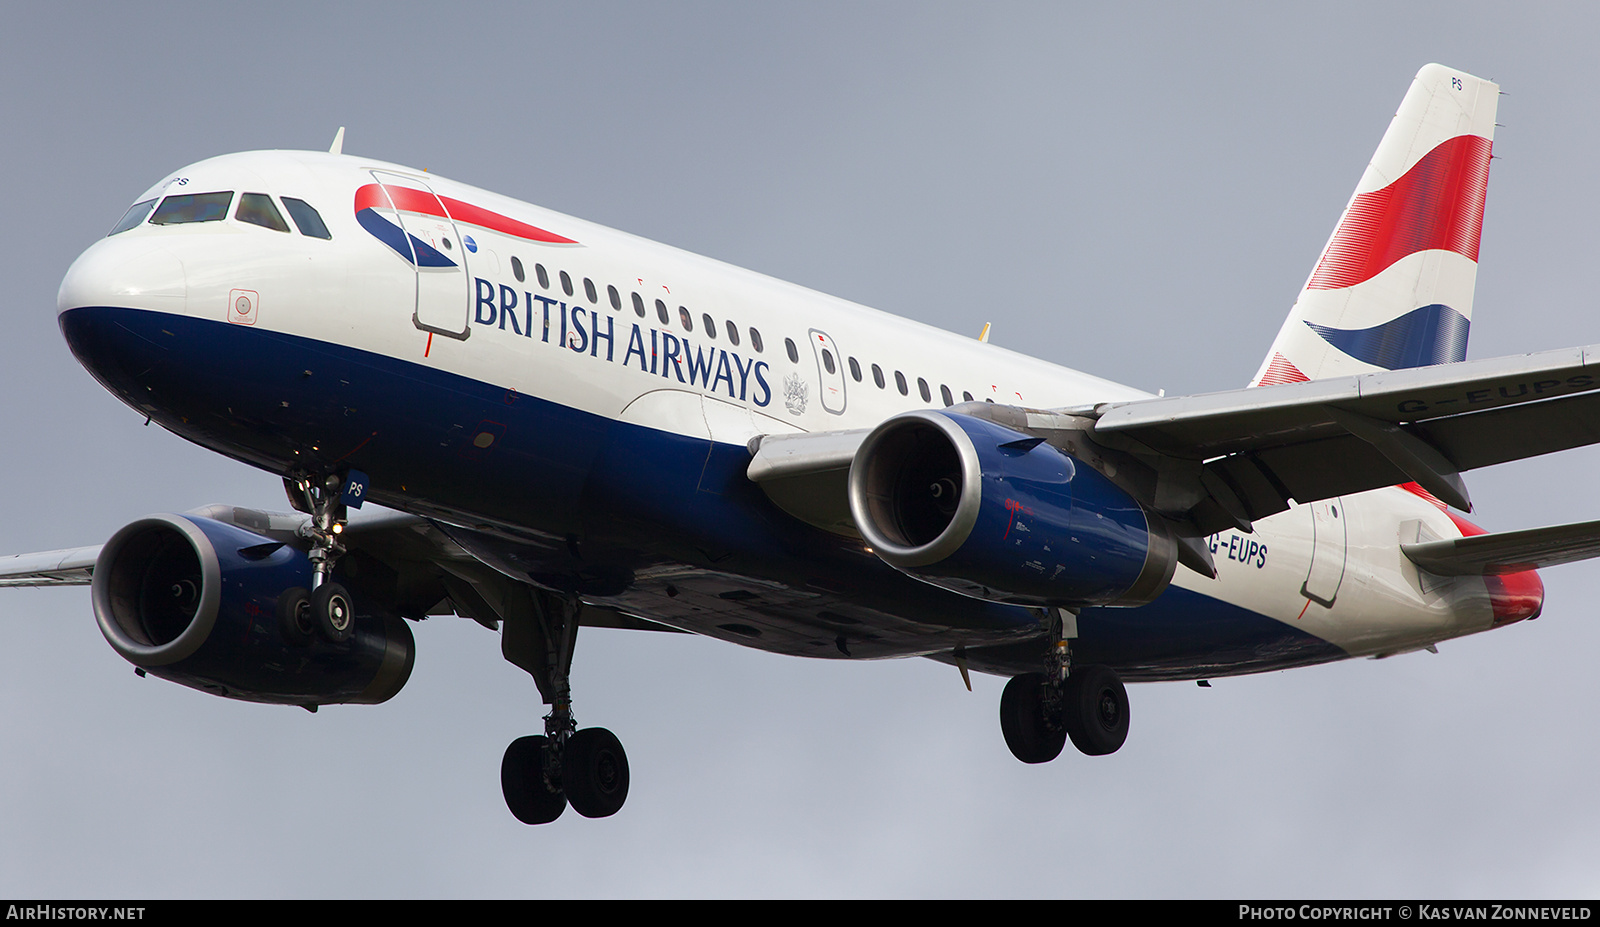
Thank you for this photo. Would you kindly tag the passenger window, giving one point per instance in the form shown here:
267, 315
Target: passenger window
733, 334
661, 312
877, 375
855, 370
516, 269
966, 396
589, 291
133, 216
306, 219
710, 326
755, 341
544, 277
192, 207
944, 393
616, 298
922, 387
257, 209
566, 283
638, 306
794, 355
900, 381
686, 319
827, 360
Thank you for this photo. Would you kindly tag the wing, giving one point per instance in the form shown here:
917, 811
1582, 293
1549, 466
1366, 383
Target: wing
71, 567
409, 563
1258, 448
1507, 551
1222, 460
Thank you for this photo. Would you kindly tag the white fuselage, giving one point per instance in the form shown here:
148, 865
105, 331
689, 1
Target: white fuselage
1332, 569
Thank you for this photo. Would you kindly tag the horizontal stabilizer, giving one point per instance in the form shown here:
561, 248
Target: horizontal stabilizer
1507, 551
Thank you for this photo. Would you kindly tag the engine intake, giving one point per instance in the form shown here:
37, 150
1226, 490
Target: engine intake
994, 513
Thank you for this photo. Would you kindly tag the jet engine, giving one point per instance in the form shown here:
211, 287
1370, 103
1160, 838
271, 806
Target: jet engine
196, 601
993, 513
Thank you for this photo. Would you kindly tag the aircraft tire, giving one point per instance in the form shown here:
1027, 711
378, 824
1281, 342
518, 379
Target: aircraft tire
333, 613
1095, 705
594, 772
1028, 733
294, 616
522, 783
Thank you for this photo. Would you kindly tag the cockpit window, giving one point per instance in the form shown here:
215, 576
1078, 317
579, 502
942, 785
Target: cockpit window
257, 209
306, 219
192, 207
133, 216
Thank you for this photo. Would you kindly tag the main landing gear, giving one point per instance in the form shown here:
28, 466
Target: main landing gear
325, 610
541, 775
1040, 711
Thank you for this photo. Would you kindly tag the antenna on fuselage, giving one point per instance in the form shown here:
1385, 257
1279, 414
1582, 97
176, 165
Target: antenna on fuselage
983, 336
338, 142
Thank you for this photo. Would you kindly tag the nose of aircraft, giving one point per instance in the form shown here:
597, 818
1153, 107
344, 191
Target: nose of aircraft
133, 272
113, 276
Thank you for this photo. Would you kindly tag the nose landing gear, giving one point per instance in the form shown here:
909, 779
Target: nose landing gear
326, 608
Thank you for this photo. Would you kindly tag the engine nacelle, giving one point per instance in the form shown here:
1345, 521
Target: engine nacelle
997, 514
194, 601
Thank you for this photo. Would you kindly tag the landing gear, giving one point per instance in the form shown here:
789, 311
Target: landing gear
1033, 731
1095, 709
1039, 711
327, 608
533, 796
294, 616
332, 613
595, 773
321, 497
540, 775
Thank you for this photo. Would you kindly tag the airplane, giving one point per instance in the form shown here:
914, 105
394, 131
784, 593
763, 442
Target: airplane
567, 426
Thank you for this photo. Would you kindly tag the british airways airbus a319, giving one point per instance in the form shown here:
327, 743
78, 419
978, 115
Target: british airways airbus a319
570, 426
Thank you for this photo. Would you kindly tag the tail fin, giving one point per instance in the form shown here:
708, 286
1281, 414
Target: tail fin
1393, 287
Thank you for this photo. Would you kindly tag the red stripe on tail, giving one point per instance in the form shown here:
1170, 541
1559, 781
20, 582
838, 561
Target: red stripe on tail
1436, 205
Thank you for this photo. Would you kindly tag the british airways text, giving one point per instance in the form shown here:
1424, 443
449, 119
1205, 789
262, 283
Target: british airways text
658, 352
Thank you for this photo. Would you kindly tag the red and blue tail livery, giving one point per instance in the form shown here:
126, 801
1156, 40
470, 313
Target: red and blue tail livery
1393, 287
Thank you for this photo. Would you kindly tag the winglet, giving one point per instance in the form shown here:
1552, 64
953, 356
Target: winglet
338, 142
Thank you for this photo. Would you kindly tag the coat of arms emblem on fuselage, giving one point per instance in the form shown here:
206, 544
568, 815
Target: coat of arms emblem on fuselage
794, 393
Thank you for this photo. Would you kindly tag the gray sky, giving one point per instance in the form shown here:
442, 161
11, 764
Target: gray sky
1136, 192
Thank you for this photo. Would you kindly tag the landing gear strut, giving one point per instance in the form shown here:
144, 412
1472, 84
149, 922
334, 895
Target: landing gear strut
539, 776
1040, 711
325, 608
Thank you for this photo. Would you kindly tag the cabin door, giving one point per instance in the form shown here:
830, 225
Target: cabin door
444, 300
830, 372
1329, 539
